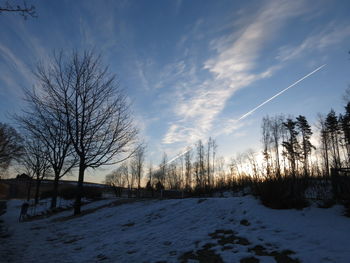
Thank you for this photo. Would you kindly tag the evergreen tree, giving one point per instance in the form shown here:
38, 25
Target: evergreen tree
324, 144
345, 126
306, 146
292, 145
333, 130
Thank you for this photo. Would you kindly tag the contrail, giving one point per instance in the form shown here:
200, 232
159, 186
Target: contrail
279, 93
259, 106
179, 155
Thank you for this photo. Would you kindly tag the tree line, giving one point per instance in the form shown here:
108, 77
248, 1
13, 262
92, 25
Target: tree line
288, 150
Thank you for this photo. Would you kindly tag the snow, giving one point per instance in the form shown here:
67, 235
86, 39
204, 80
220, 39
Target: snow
163, 230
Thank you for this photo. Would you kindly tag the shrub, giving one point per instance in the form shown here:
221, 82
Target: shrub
282, 193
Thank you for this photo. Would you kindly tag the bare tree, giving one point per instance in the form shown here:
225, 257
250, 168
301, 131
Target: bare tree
221, 179
276, 134
137, 164
209, 143
201, 167
22, 9
11, 145
46, 123
161, 174
251, 157
129, 175
214, 150
188, 169
266, 140
36, 162
150, 174
95, 111
117, 179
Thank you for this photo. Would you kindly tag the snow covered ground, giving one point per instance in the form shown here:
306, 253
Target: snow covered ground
234, 229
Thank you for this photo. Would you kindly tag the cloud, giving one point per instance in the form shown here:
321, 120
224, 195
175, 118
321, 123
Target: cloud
230, 69
16, 70
330, 36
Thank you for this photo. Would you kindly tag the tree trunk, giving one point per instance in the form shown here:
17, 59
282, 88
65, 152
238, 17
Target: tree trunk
55, 191
37, 190
29, 189
77, 204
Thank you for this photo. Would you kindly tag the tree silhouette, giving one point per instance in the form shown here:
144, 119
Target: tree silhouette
23, 10
95, 111
292, 145
306, 146
11, 147
46, 123
333, 130
345, 126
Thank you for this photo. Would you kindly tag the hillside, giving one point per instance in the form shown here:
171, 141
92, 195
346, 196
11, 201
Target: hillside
234, 229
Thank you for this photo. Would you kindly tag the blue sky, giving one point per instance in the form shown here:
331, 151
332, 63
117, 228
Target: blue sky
192, 68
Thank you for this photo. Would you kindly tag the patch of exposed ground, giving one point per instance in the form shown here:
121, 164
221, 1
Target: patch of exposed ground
227, 240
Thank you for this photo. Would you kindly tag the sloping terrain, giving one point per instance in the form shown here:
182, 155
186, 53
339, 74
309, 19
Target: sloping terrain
234, 229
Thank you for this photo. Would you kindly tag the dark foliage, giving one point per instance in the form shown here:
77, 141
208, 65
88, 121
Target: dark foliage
282, 193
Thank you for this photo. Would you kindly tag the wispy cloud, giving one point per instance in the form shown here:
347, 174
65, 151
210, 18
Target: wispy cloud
231, 69
329, 36
14, 69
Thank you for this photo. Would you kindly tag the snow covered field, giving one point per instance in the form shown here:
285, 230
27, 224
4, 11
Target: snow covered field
234, 229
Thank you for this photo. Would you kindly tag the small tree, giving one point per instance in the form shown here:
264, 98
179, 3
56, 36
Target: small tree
117, 180
36, 162
11, 146
137, 164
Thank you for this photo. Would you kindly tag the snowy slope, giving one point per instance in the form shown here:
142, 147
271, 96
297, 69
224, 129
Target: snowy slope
151, 231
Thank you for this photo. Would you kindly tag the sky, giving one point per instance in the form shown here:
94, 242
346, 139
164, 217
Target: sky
191, 68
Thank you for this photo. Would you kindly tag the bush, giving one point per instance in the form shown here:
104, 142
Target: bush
282, 193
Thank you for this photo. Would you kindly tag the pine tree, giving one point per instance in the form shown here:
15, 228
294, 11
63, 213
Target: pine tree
345, 126
306, 146
292, 145
333, 129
